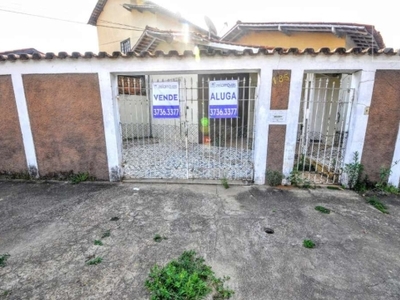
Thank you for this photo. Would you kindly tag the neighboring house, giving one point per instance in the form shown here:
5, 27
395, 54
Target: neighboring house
153, 39
121, 23
21, 51
305, 35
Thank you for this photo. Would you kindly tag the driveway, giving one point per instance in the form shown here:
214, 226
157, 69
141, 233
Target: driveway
49, 231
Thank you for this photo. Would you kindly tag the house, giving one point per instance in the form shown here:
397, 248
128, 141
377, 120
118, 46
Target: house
120, 25
41, 102
305, 35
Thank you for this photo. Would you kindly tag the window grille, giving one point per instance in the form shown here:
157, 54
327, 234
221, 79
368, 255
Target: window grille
126, 46
132, 85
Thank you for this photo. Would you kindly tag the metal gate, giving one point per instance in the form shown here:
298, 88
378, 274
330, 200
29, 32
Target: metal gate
323, 127
193, 145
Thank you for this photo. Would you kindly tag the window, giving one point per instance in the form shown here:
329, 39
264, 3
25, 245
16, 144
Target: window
126, 46
132, 85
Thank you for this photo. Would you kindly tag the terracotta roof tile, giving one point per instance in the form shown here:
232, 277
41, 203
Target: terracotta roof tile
363, 35
188, 53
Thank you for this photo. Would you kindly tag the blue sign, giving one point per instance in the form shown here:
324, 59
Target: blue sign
223, 97
166, 100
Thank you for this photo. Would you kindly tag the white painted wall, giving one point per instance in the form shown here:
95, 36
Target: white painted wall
25, 124
111, 129
363, 67
296, 86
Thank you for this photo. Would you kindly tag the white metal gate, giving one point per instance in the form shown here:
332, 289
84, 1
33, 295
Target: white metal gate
323, 127
192, 146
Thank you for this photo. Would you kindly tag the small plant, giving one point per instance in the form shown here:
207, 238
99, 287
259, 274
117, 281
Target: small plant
273, 178
16, 175
98, 243
308, 244
3, 259
382, 185
94, 261
374, 201
79, 177
158, 238
187, 278
224, 182
296, 179
353, 171
323, 209
106, 234
114, 219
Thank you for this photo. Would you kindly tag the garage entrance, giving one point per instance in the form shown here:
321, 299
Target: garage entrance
193, 145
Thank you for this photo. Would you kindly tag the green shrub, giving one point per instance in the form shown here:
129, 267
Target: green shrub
273, 178
186, 278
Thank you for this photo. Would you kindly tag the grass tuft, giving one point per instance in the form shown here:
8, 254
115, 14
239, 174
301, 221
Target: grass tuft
323, 209
98, 243
106, 234
158, 238
374, 201
3, 259
308, 244
225, 183
94, 261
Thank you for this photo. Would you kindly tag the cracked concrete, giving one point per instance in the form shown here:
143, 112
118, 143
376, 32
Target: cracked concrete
49, 230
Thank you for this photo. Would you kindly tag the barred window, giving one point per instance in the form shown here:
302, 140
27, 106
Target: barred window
132, 85
126, 46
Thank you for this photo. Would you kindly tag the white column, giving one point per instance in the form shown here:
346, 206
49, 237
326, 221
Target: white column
111, 129
25, 125
292, 119
261, 129
394, 176
363, 83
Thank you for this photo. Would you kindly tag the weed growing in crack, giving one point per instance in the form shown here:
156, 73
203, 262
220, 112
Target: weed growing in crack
94, 261
353, 171
158, 238
106, 234
3, 259
188, 277
80, 177
323, 209
225, 183
308, 244
98, 243
374, 201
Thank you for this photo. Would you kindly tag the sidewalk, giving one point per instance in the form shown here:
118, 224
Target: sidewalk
49, 230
